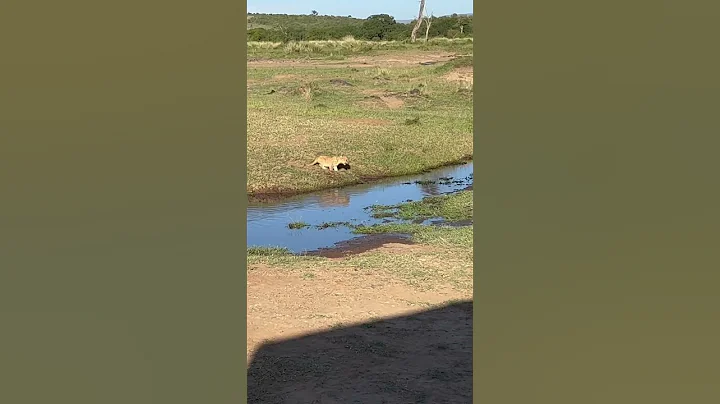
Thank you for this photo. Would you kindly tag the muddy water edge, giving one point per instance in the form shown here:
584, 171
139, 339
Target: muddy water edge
315, 223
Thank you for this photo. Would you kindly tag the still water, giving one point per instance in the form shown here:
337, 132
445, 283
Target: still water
267, 223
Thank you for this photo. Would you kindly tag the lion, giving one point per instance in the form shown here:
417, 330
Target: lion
327, 162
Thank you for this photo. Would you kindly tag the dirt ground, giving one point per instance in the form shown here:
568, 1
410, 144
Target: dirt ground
299, 320
463, 74
395, 59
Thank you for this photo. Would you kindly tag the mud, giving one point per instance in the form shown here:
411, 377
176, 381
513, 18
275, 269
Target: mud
360, 245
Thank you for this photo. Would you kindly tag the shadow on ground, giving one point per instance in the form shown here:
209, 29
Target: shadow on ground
419, 358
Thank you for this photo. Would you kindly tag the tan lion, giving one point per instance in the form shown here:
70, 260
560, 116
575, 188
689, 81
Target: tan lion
330, 162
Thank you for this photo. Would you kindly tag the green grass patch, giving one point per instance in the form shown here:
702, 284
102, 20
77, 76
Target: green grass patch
297, 225
405, 228
344, 48
453, 207
280, 257
459, 62
267, 251
413, 121
431, 235
328, 225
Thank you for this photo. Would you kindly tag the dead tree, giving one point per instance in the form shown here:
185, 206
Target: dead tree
428, 22
419, 21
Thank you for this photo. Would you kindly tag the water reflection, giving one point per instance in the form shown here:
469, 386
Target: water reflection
267, 223
334, 197
430, 188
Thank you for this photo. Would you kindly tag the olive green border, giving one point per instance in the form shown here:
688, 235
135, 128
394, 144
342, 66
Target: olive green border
596, 215
242, 289
122, 230
477, 201
596, 193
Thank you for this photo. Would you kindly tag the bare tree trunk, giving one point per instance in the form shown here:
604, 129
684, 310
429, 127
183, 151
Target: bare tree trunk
419, 21
427, 27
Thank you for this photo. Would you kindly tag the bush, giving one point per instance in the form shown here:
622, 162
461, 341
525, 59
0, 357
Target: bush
379, 27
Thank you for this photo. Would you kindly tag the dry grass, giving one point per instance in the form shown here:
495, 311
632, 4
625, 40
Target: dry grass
296, 113
442, 260
347, 46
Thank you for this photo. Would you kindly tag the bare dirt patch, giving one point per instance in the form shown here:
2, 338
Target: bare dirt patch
392, 102
382, 98
462, 74
397, 59
281, 301
383, 101
270, 63
336, 334
394, 59
284, 304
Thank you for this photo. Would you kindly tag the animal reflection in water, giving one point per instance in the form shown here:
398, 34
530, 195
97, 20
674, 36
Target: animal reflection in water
334, 197
430, 188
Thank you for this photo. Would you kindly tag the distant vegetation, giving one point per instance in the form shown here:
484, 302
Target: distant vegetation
380, 27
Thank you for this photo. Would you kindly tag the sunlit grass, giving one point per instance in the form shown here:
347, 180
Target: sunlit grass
296, 113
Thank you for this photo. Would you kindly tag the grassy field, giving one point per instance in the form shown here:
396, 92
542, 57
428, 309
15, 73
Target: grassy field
446, 254
371, 101
349, 47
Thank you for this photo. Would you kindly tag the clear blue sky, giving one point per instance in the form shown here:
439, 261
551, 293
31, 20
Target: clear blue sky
400, 9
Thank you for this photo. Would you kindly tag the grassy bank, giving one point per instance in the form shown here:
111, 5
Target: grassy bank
454, 207
446, 254
387, 112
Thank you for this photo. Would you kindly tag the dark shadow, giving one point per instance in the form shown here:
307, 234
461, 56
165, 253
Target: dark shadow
360, 244
420, 358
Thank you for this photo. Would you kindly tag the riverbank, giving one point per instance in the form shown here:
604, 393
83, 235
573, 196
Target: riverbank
326, 219
392, 113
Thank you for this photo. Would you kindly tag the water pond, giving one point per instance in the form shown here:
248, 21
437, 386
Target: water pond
268, 222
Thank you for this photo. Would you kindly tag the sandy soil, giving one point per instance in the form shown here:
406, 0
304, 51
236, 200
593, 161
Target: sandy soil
344, 335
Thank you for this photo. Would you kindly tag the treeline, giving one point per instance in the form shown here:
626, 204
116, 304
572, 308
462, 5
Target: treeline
283, 27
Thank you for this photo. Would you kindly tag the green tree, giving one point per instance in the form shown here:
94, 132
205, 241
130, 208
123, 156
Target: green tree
378, 26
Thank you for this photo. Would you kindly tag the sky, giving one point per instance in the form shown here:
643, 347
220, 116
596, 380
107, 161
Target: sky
400, 9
